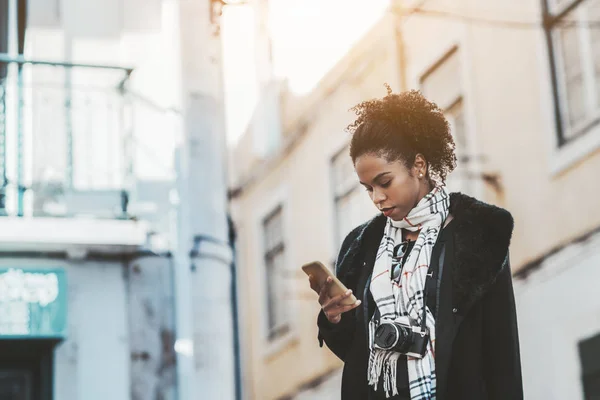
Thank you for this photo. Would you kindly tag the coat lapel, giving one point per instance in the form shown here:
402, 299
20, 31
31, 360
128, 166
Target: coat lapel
447, 321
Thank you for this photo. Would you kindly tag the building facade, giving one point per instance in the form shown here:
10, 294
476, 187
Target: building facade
517, 81
94, 101
79, 310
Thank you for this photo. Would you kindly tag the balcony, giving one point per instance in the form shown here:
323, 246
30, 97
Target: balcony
65, 139
67, 152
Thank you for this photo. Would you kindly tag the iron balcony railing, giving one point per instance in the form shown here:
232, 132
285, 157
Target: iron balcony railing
66, 134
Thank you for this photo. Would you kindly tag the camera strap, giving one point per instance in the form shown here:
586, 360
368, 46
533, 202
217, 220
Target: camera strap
424, 317
432, 287
439, 280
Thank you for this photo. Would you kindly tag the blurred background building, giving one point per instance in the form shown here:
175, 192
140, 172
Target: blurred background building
518, 81
115, 259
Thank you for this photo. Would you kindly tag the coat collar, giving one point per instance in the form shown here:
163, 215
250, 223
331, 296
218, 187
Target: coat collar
482, 234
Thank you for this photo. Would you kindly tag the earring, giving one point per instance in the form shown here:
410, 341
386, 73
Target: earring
420, 175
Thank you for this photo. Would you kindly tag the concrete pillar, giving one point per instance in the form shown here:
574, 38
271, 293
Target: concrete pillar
203, 277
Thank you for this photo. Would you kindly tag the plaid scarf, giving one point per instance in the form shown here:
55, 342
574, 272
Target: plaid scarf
403, 299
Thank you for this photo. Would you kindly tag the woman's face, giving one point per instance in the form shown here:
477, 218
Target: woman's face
393, 188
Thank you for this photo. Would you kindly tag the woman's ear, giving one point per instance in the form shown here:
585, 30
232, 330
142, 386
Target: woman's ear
420, 166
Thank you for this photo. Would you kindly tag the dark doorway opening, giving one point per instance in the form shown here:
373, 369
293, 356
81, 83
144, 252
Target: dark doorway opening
26, 369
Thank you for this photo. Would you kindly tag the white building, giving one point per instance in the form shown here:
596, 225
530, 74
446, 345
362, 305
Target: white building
93, 98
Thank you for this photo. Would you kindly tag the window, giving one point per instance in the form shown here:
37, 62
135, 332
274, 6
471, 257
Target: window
277, 303
442, 85
574, 46
589, 356
352, 205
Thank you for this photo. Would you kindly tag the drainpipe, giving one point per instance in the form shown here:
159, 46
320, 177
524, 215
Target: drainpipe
235, 311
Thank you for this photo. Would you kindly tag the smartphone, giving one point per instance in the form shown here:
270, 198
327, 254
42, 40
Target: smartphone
320, 273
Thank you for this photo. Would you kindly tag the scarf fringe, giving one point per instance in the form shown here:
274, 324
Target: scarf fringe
386, 362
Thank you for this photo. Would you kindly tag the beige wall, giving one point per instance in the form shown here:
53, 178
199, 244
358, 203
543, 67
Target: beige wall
509, 117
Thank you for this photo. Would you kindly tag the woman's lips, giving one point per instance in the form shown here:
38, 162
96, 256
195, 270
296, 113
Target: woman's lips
387, 211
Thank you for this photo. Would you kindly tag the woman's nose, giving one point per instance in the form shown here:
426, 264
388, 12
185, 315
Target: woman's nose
378, 197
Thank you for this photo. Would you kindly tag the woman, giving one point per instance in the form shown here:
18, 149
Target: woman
432, 266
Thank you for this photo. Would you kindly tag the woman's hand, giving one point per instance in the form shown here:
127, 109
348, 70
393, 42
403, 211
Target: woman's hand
332, 306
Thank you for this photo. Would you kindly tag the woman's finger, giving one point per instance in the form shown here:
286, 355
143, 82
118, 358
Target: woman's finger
334, 319
324, 293
340, 297
335, 305
314, 284
343, 309
334, 311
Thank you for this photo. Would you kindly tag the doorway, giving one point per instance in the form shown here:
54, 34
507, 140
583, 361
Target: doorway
26, 369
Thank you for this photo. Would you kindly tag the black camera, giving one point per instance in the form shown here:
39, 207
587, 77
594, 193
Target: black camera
401, 337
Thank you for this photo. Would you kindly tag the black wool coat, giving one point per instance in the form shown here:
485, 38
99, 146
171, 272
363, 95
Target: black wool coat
477, 346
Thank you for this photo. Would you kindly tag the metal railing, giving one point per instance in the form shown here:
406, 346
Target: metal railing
66, 134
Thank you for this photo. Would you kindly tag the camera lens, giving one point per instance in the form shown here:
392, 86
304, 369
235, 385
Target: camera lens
391, 335
386, 336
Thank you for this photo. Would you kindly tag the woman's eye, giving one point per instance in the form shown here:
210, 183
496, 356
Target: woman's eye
384, 185
368, 189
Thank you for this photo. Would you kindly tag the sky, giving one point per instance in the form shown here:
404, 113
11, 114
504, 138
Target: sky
308, 38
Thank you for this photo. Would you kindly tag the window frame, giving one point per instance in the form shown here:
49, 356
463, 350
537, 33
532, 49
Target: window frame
264, 205
274, 331
338, 196
552, 15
